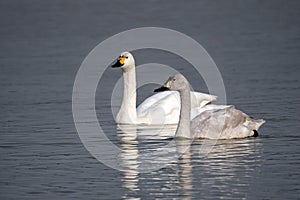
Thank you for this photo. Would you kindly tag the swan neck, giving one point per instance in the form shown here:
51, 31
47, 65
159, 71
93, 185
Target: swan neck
183, 128
127, 113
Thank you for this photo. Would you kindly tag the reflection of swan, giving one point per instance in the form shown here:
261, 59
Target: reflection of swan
129, 156
142, 159
215, 122
226, 170
161, 108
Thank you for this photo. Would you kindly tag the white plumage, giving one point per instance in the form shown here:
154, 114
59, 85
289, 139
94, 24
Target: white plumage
161, 108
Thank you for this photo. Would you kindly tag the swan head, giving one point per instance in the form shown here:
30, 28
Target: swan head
176, 82
125, 61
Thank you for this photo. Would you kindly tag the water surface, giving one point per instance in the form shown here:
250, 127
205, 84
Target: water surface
255, 44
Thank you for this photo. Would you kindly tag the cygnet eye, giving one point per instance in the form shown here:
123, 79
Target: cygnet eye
174, 79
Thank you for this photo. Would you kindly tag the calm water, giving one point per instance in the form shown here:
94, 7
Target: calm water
256, 46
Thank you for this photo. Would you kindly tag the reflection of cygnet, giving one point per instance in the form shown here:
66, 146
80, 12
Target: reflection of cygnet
161, 108
214, 122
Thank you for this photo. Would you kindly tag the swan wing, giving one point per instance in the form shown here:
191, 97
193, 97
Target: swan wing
161, 108
156, 99
164, 107
199, 99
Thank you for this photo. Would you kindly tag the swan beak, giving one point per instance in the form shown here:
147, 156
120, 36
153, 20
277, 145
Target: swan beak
161, 89
120, 62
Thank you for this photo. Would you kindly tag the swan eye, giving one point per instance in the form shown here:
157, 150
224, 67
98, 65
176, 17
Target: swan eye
126, 57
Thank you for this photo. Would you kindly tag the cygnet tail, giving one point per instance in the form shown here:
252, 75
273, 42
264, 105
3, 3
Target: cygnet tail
258, 123
254, 124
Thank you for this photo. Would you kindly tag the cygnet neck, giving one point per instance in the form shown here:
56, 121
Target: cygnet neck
183, 128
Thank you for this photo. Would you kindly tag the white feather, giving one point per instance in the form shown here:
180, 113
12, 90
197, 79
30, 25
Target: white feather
161, 108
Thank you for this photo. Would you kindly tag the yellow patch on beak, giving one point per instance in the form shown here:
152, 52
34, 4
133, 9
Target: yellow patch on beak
121, 60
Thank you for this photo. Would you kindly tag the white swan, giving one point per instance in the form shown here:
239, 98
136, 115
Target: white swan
161, 108
214, 121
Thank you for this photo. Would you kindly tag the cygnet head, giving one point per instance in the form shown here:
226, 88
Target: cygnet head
176, 82
125, 61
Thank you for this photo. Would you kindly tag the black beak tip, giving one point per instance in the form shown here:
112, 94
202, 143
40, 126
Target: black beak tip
156, 90
116, 65
161, 89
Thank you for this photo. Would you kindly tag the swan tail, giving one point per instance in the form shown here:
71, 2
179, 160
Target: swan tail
209, 99
201, 99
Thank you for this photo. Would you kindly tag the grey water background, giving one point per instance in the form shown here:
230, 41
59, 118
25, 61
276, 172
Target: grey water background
254, 43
